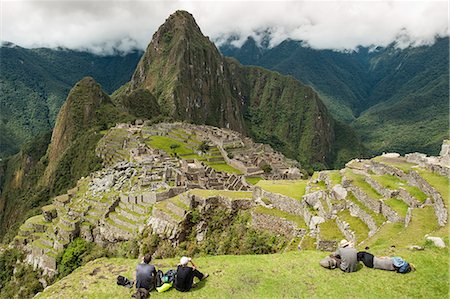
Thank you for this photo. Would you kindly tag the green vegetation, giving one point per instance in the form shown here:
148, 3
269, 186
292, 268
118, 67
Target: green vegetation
394, 183
359, 181
440, 183
378, 218
253, 180
269, 276
356, 224
399, 163
185, 151
330, 231
294, 188
395, 99
18, 279
35, 83
397, 205
335, 177
423, 221
226, 193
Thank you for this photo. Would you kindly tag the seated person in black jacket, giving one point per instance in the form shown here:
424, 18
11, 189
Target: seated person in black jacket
185, 275
145, 274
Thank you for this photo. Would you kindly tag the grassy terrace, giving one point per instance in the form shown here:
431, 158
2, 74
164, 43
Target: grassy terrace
358, 181
330, 231
422, 222
335, 177
356, 224
253, 180
267, 276
397, 205
292, 188
281, 214
378, 218
162, 205
183, 150
226, 193
122, 227
399, 163
394, 183
440, 183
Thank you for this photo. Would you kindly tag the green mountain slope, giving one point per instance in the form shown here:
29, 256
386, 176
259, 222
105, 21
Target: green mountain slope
375, 91
47, 167
35, 83
191, 81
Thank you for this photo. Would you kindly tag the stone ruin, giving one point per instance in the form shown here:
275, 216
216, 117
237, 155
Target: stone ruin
141, 186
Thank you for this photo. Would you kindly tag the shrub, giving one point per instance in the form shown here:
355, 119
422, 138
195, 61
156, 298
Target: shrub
204, 146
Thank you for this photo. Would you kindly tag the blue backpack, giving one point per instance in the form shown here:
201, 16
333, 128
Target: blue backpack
401, 265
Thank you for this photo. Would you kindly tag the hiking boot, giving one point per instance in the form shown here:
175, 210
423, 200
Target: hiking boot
205, 276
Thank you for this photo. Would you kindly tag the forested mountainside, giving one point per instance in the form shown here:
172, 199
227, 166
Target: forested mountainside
396, 99
35, 83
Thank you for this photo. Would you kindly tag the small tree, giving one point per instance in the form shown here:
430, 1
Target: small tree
204, 146
266, 168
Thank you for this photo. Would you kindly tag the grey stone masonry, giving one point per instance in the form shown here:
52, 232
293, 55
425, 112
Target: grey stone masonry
385, 192
366, 218
277, 225
281, 202
438, 202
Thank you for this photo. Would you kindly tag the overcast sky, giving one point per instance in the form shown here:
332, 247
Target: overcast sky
101, 26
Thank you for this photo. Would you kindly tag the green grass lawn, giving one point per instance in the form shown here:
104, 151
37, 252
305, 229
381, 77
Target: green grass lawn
423, 221
226, 193
438, 182
253, 180
289, 275
397, 205
224, 167
358, 181
294, 188
356, 224
394, 183
164, 143
185, 152
399, 163
335, 177
330, 231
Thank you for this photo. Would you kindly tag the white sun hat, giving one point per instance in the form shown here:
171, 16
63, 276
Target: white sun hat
184, 260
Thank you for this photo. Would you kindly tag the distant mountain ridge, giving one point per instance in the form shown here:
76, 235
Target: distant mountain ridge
397, 100
35, 83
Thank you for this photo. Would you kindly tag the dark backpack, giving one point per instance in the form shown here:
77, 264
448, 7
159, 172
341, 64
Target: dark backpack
159, 278
123, 281
169, 276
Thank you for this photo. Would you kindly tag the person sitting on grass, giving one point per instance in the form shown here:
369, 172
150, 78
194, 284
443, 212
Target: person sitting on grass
184, 279
145, 276
347, 256
384, 263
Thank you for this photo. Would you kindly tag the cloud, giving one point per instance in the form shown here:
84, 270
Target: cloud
108, 26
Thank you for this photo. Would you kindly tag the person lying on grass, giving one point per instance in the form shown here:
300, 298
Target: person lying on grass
185, 275
384, 263
344, 258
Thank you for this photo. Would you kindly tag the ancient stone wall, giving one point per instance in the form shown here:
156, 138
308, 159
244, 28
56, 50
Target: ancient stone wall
277, 225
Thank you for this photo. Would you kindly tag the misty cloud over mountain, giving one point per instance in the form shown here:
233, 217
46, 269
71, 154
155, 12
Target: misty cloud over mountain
106, 26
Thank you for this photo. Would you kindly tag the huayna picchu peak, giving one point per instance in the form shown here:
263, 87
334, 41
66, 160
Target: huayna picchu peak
192, 82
